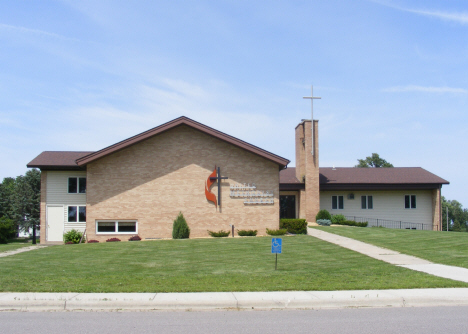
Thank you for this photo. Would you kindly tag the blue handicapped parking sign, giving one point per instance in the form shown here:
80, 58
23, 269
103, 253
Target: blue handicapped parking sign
276, 244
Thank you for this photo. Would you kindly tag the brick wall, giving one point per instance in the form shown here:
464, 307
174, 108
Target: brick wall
307, 165
152, 181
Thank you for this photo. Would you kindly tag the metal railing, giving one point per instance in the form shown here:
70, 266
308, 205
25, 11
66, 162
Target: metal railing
377, 222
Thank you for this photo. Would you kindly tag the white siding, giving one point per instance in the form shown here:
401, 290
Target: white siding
57, 194
387, 205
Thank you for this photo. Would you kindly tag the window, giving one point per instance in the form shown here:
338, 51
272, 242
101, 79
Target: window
117, 227
77, 214
77, 185
410, 201
367, 202
337, 202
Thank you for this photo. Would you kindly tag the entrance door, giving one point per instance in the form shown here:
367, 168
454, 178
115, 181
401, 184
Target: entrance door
288, 206
54, 223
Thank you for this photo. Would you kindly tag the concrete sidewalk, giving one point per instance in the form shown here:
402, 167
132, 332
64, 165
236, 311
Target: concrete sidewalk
21, 250
232, 300
393, 257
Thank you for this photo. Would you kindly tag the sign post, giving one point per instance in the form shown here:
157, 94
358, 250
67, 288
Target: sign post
276, 245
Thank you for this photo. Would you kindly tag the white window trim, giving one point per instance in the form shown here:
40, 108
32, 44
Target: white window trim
410, 208
337, 202
77, 213
77, 184
367, 202
117, 225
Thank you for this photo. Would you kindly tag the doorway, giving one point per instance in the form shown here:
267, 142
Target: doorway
288, 206
55, 223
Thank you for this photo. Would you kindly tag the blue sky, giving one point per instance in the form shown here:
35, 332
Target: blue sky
82, 75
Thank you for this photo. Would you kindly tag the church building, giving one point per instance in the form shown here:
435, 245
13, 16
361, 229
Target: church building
138, 186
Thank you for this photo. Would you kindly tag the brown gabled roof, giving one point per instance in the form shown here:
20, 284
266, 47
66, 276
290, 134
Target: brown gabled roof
74, 160
282, 162
351, 178
57, 160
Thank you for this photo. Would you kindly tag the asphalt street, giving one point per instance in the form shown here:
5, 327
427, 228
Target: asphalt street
424, 320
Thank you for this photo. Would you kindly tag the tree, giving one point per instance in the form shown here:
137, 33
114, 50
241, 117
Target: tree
7, 190
457, 216
27, 200
6, 230
180, 229
373, 161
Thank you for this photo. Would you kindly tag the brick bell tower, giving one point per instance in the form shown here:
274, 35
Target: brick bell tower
307, 168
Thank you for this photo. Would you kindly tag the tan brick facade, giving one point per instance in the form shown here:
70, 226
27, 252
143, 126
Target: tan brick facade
152, 181
307, 168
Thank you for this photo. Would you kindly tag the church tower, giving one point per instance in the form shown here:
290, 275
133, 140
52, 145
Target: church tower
307, 168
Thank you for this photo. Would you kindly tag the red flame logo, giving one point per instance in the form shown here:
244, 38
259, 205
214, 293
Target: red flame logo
209, 195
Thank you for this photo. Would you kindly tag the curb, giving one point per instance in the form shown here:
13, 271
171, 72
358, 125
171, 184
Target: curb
288, 300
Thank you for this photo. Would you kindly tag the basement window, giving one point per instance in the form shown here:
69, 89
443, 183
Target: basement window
117, 227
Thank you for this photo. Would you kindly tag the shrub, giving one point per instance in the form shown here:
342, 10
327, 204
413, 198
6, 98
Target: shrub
324, 222
6, 230
180, 229
113, 240
294, 226
92, 241
69, 243
323, 214
336, 219
135, 238
352, 223
72, 236
247, 233
219, 234
281, 231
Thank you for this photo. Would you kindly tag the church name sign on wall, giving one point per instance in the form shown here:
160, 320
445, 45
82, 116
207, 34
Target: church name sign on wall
246, 191
250, 194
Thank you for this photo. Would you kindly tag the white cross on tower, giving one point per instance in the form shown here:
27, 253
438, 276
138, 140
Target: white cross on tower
312, 98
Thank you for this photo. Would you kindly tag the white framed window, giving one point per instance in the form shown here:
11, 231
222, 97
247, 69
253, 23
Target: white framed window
367, 202
116, 227
337, 202
77, 185
410, 201
76, 214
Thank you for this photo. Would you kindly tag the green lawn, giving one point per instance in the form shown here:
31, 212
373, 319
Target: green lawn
440, 247
228, 264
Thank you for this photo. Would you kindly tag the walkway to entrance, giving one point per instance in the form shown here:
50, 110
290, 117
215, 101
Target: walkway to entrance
20, 250
393, 257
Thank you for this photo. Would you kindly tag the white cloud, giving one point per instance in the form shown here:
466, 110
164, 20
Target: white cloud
422, 89
24, 30
458, 17
461, 18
